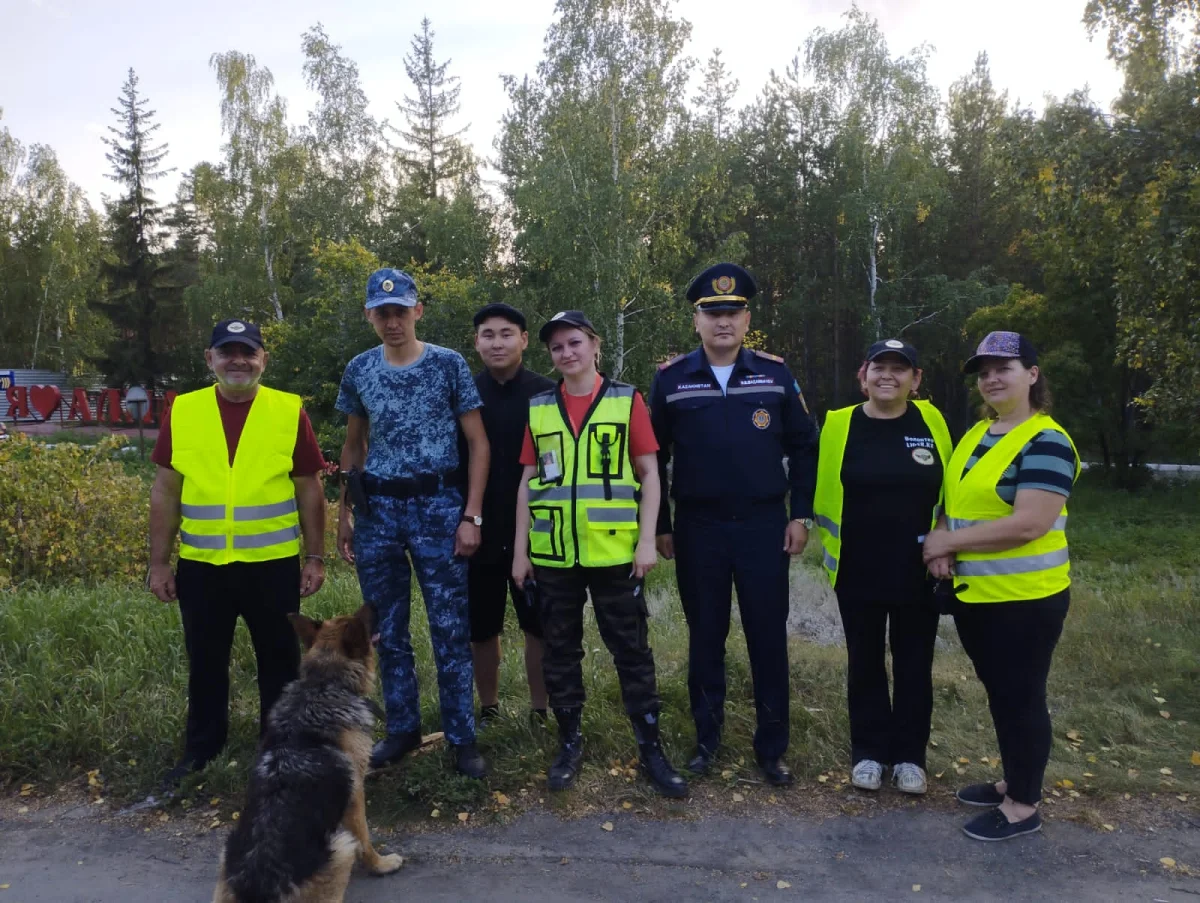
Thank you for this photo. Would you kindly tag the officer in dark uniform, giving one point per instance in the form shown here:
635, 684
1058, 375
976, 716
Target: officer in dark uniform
730, 416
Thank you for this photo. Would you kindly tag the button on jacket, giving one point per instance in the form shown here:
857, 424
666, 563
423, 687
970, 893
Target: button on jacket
729, 446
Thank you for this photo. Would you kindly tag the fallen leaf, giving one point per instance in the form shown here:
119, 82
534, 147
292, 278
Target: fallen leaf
727, 774
1067, 783
235, 815
772, 799
939, 775
615, 772
1132, 773
1164, 713
933, 743
916, 888
501, 798
5, 886
1075, 736
1128, 796
463, 816
1107, 827
1196, 757
963, 760
1183, 797
1165, 771
626, 805
822, 778
1091, 758
1088, 774
1160, 700
783, 885
22, 810
216, 823
738, 798
435, 813
132, 762
215, 801
1168, 862
743, 884
607, 826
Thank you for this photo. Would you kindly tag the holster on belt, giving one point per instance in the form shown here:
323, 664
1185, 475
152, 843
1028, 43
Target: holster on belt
357, 491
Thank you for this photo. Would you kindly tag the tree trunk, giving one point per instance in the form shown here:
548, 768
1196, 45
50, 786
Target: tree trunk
37, 332
873, 275
269, 261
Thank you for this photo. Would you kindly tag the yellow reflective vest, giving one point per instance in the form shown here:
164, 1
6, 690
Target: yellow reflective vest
246, 512
1034, 570
583, 500
827, 502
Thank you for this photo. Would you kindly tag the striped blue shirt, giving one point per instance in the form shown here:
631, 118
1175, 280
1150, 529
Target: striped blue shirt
1046, 462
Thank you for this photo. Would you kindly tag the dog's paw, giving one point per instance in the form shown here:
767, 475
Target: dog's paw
385, 865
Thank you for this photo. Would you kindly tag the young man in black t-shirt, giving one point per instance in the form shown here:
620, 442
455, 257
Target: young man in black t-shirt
505, 386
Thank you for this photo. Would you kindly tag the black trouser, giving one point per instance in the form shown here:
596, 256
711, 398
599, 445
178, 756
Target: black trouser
211, 597
712, 555
896, 729
489, 583
620, 609
1011, 645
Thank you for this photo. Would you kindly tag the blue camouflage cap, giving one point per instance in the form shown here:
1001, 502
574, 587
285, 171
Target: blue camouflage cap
389, 286
723, 286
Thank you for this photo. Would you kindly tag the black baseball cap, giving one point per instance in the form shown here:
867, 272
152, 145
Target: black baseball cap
1002, 344
242, 331
502, 310
574, 318
893, 346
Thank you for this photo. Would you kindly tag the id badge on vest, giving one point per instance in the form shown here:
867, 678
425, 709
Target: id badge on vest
550, 457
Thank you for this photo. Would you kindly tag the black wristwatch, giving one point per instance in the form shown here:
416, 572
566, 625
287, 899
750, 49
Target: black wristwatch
476, 519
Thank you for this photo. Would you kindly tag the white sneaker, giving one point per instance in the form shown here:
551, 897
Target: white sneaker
909, 778
867, 775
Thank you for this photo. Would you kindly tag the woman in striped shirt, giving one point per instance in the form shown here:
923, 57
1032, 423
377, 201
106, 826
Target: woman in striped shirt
1003, 540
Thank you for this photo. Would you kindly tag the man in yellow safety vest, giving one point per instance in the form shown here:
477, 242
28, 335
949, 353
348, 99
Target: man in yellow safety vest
239, 482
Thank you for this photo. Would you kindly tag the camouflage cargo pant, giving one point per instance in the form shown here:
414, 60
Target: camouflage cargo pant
620, 611
424, 528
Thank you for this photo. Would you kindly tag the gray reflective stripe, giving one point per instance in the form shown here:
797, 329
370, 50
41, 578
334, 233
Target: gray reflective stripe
262, 512
830, 525
539, 400
200, 541
620, 392
748, 390
695, 393
563, 493
261, 540
203, 512
1024, 564
957, 523
543, 526
612, 515
830, 561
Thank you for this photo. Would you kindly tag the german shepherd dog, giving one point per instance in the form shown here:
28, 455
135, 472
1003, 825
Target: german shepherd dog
305, 819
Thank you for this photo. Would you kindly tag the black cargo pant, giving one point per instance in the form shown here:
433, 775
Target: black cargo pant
211, 598
1011, 645
620, 609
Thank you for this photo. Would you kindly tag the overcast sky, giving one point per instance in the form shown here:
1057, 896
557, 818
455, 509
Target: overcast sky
62, 62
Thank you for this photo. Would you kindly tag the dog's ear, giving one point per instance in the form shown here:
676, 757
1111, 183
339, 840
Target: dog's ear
356, 639
306, 628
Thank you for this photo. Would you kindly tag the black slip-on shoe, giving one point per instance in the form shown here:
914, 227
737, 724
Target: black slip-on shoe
994, 825
979, 795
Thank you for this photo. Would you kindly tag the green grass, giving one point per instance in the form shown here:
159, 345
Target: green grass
94, 677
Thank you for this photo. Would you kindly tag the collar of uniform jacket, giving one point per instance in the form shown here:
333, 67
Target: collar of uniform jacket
751, 376
698, 361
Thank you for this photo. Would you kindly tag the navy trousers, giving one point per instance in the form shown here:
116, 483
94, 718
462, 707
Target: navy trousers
714, 554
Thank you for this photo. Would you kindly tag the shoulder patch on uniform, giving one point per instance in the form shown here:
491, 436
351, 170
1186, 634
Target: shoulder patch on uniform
768, 356
675, 360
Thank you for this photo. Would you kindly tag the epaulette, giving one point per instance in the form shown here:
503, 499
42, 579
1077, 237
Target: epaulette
768, 356
675, 360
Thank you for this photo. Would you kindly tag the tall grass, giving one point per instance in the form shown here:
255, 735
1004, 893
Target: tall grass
95, 677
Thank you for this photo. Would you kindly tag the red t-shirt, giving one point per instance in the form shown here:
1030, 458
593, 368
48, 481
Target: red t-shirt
306, 459
641, 433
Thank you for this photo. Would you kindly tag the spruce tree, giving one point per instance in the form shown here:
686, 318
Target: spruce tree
143, 300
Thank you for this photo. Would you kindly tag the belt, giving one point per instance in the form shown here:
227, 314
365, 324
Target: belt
411, 487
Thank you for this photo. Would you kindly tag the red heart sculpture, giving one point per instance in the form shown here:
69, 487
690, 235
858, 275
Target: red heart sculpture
45, 400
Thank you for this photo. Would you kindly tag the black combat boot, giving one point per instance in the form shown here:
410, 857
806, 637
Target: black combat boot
565, 769
652, 761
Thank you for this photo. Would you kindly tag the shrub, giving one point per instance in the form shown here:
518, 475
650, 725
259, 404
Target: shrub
69, 513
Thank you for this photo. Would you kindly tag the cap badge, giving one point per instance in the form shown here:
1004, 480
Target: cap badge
559, 315
893, 343
235, 326
723, 285
387, 285
761, 419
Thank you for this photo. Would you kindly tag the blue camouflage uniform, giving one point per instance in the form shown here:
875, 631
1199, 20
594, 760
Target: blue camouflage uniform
729, 485
413, 414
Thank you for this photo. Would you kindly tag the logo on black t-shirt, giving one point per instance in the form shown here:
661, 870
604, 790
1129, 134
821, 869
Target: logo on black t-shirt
922, 456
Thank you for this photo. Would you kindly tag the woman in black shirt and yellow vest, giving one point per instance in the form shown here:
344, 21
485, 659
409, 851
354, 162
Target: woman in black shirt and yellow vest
1004, 535
879, 478
586, 512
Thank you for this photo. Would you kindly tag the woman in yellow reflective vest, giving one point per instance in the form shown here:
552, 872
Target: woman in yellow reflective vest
879, 479
1004, 540
586, 513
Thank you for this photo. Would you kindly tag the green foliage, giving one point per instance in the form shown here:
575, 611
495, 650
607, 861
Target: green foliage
69, 513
